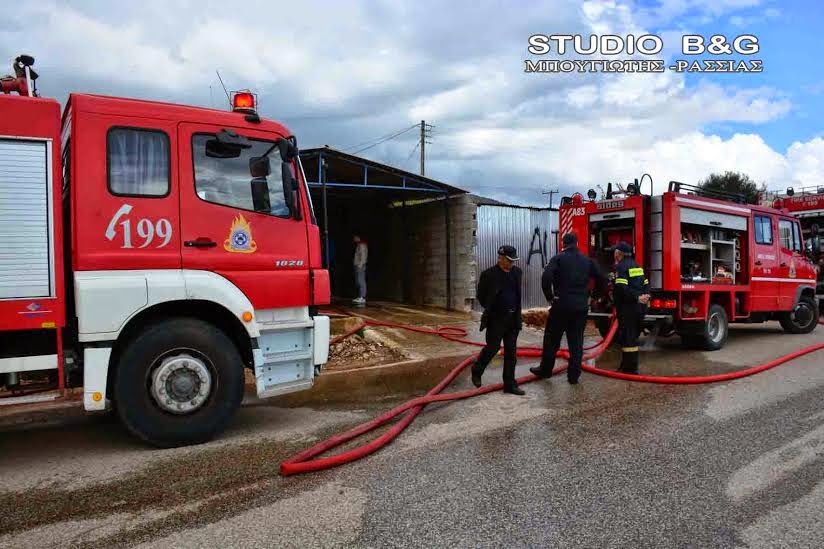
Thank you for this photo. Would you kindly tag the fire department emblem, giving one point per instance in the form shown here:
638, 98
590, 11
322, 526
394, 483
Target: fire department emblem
240, 237
792, 268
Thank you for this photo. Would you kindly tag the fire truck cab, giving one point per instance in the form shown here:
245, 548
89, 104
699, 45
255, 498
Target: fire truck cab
807, 204
710, 260
151, 254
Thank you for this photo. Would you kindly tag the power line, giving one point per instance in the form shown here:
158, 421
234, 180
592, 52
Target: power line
415, 148
379, 139
398, 134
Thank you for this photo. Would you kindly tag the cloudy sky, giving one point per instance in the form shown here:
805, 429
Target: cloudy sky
347, 73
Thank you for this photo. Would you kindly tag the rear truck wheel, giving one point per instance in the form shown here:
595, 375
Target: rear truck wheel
179, 383
716, 329
802, 319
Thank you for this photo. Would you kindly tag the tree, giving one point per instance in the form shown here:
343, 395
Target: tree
733, 183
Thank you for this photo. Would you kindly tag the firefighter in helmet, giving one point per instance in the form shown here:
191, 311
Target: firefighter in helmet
631, 296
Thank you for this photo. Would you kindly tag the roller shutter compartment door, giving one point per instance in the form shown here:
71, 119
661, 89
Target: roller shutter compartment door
24, 220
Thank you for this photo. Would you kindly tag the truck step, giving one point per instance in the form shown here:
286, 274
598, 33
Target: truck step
30, 399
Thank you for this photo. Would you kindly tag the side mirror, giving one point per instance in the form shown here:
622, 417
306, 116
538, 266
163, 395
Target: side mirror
259, 166
288, 148
260, 195
291, 190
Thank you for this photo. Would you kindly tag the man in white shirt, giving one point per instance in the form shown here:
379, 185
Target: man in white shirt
361, 253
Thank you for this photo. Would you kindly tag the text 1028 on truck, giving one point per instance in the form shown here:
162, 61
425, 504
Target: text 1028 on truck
151, 254
710, 260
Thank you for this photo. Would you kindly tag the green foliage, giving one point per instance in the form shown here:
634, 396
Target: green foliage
734, 183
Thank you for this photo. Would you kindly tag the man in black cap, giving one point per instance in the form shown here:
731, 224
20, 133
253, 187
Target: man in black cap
631, 296
499, 293
565, 283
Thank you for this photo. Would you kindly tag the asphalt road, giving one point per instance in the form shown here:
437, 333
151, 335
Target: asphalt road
602, 464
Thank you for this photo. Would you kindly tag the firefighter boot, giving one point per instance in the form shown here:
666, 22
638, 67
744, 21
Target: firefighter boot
476, 374
513, 389
629, 360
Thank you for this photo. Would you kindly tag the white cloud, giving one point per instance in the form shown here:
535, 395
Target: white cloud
806, 161
351, 71
703, 11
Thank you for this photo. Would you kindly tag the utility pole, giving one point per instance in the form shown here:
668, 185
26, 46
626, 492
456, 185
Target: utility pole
551, 193
425, 133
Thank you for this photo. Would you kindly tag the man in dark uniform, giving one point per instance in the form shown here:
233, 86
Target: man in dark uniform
565, 283
499, 293
631, 295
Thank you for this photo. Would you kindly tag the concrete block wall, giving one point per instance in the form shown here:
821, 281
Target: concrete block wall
423, 259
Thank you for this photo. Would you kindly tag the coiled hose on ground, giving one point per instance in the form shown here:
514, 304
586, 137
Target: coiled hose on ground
307, 461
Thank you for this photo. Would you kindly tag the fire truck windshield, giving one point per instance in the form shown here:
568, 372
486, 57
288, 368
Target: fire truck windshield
247, 180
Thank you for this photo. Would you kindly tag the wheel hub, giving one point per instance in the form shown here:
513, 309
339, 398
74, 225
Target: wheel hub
802, 314
714, 328
181, 384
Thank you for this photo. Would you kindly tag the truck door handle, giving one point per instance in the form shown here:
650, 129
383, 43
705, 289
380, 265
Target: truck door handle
783, 264
201, 242
758, 263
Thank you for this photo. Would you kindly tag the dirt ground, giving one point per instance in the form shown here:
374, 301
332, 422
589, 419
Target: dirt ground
357, 352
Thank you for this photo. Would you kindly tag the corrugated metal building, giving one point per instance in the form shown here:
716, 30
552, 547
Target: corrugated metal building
533, 232
428, 241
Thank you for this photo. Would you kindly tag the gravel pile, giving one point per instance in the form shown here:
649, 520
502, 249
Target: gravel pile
356, 352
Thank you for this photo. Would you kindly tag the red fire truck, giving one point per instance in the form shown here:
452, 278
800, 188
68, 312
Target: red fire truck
807, 204
710, 260
151, 254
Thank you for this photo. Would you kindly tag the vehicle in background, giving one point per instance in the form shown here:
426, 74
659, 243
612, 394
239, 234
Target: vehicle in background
710, 259
807, 204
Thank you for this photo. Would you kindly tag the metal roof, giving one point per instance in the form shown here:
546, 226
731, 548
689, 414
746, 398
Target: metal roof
486, 201
344, 170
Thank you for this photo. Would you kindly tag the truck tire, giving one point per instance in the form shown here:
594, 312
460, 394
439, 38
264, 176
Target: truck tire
716, 329
802, 319
178, 383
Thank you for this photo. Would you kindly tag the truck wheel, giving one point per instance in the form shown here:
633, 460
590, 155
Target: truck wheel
716, 329
802, 319
179, 383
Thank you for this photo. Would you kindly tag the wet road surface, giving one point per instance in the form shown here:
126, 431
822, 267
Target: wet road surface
602, 464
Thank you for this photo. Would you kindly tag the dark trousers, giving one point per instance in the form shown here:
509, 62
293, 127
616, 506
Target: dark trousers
501, 327
571, 323
629, 330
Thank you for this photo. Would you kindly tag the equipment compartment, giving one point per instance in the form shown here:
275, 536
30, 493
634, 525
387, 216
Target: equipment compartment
710, 255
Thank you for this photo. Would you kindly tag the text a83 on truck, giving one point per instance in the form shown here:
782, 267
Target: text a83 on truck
710, 258
151, 253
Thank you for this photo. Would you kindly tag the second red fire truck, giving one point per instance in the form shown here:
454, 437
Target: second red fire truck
151, 254
710, 260
807, 204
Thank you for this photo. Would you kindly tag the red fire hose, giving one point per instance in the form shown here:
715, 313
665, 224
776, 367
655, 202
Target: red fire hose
304, 462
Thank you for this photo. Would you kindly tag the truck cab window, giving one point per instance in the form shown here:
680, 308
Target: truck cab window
237, 180
138, 162
786, 234
798, 244
763, 230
